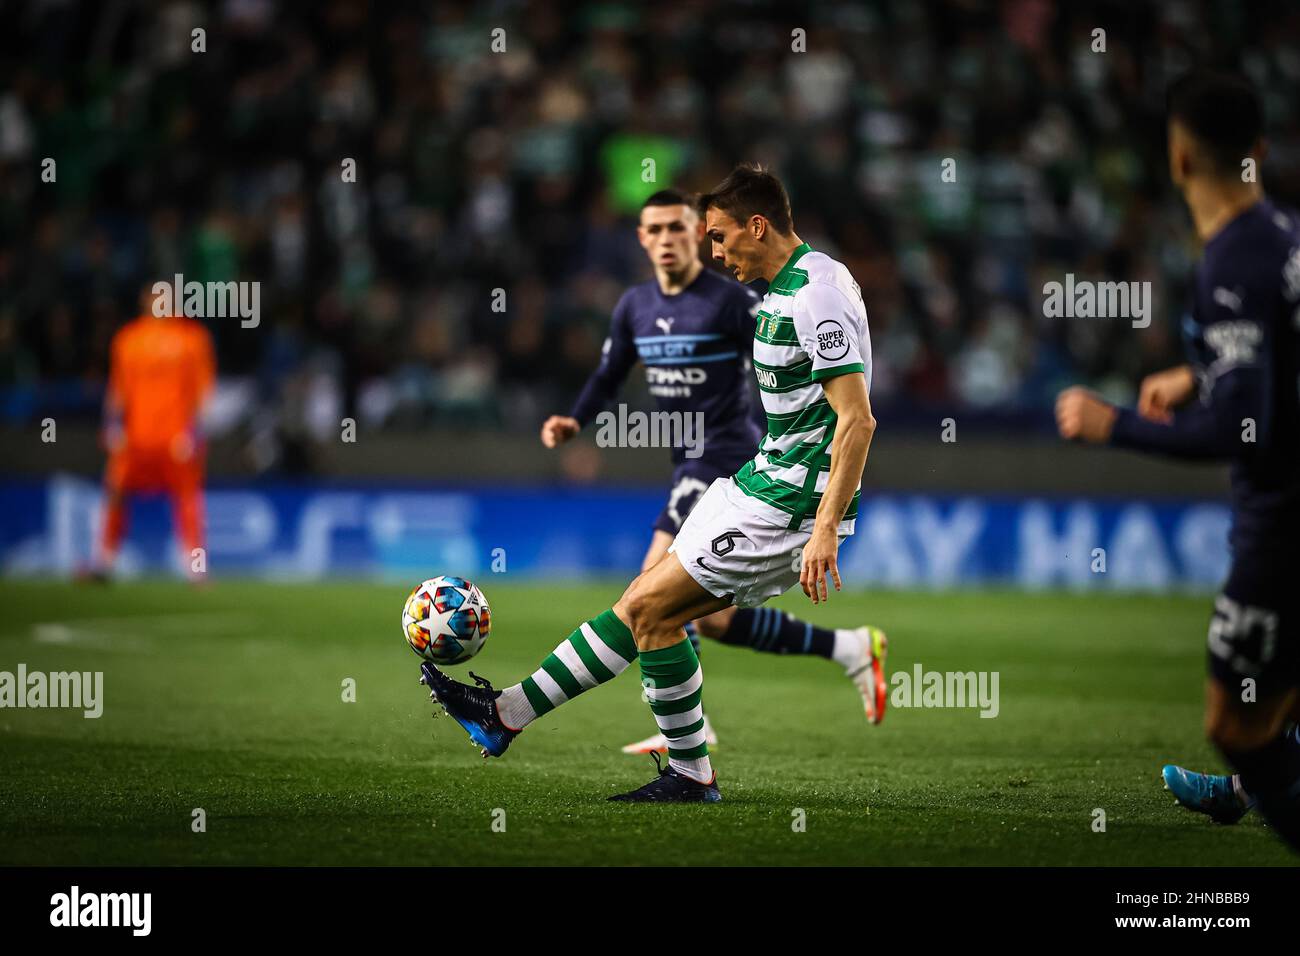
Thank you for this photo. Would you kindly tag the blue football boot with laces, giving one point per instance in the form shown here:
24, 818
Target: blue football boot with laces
1211, 794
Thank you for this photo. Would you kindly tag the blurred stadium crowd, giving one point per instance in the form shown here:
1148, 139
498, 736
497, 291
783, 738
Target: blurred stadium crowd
522, 170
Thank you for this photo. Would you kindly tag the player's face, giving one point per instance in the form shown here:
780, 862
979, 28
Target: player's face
670, 236
732, 244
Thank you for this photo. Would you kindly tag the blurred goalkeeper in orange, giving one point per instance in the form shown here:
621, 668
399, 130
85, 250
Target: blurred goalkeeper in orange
161, 374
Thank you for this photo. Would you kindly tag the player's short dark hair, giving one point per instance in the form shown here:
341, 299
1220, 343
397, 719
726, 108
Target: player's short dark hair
669, 197
1222, 111
751, 190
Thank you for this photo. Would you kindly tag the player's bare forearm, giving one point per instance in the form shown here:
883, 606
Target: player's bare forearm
848, 462
847, 396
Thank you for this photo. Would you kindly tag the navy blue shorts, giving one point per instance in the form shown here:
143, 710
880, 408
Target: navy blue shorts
1255, 631
690, 480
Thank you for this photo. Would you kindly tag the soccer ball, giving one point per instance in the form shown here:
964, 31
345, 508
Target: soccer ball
446, 620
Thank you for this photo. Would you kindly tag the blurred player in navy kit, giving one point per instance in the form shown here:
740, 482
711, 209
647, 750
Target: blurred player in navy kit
1238, 399
693, 328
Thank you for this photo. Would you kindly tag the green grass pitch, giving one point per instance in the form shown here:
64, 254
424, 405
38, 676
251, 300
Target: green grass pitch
230, 699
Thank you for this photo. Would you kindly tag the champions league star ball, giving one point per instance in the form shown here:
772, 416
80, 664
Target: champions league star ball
446, 620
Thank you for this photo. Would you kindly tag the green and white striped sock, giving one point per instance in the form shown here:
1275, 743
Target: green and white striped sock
674, 682
599, 650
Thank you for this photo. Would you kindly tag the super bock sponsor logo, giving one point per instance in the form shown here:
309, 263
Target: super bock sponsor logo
832, 343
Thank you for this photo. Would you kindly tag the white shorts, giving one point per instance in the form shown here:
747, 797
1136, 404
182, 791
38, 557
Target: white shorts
733, 553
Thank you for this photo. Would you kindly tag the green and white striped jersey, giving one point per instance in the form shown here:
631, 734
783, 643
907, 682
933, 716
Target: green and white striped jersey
812, 325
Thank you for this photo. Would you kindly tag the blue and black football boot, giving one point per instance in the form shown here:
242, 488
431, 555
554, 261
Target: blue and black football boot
474, 708
672, 787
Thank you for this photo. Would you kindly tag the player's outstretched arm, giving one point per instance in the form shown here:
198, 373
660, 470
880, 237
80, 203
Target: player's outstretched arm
1234, 413
854, 426
1211, 431
617, 357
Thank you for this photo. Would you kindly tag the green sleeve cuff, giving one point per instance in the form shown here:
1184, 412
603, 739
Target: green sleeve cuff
833, 371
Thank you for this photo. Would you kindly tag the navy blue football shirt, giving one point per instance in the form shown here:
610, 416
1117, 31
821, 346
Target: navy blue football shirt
1243, 339
696, 347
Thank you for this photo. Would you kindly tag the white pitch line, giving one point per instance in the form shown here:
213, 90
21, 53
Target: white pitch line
63, 635
123, 633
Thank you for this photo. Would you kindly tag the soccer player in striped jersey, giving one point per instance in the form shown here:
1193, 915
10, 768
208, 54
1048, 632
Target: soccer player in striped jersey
693, 330
752, 536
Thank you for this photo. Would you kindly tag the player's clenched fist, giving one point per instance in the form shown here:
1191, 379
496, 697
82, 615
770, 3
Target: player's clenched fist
1082, 415
558, 429
1162, 392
